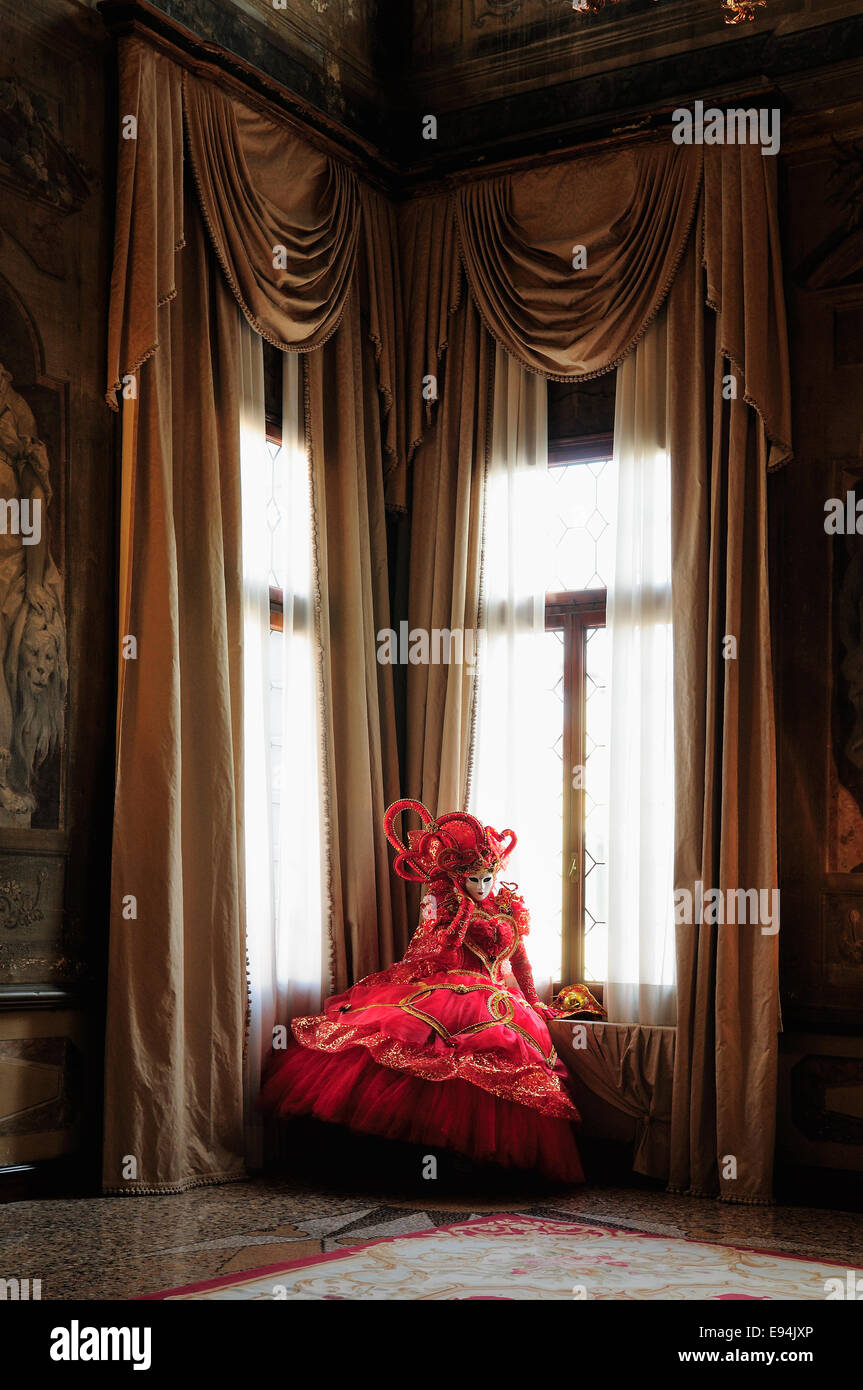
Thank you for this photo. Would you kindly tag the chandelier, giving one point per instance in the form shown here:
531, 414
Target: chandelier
734, 11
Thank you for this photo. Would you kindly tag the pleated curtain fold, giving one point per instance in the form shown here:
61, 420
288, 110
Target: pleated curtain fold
254, 218
727, 1016
447, 513
449, 363
369, 925
724, 1099
176, 996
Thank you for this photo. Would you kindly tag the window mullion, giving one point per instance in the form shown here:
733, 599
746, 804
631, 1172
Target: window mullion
575, 860
573, 799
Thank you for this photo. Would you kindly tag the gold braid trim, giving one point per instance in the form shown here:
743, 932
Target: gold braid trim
536, 1087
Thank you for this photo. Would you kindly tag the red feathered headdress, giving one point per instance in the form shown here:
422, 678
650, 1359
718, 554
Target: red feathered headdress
454, 844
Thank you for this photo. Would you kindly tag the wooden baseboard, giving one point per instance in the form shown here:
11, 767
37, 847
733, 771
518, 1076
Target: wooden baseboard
58, 1177
831, 1189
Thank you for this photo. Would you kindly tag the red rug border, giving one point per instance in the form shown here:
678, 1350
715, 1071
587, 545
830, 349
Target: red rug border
285, 1267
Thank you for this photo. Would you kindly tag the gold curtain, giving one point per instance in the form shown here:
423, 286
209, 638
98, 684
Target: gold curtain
368, 907
658, 225
560, 313
148, 213
173, 1080
433, 288
380, 286
742, 257
445, 565
449, 381
724, 1099
283, 218
634, 211
177, 973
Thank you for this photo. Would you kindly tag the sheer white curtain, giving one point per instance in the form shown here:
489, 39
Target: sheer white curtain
282, 802
517, 774
641, 957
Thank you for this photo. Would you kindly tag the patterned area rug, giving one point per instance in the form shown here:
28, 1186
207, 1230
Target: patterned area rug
528, 1257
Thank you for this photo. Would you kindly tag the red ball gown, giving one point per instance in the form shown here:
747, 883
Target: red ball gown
448, 1048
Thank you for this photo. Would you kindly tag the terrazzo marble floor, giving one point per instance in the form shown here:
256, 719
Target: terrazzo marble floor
122, 1247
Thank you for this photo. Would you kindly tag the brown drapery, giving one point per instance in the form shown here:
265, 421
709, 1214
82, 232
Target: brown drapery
173, 1104
362, 764
724, 1103
283, 218
635, 212
449, 377
446, 564
148, 217
340, 303
724, 1090
630, 210
692, 229
380, 279
176, 992
447, 424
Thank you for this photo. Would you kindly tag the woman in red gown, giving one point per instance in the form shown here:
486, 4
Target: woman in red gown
448, 1048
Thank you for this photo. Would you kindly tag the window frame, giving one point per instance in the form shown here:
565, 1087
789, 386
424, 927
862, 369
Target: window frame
574, 613
277, 596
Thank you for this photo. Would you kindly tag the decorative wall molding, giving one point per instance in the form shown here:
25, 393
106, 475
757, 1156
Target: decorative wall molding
493, 9
26, 998
18, 906
821, 1087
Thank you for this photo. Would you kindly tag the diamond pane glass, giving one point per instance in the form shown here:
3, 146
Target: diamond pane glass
579, 535
275, 510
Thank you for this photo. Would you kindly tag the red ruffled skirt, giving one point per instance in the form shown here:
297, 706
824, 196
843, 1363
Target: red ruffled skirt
447, 1063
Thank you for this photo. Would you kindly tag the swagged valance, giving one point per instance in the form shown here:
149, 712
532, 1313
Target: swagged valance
262, 188
625, 215
288, 224
287, 245
628, 216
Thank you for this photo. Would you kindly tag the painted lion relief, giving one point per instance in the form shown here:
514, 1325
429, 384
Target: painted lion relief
43, 183
33, 663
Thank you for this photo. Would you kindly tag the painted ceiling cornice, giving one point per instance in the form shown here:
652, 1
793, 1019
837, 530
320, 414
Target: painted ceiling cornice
537, 80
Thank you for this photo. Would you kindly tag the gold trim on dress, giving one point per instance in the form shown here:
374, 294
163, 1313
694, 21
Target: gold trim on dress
408, 1005
493, 966
535, 1087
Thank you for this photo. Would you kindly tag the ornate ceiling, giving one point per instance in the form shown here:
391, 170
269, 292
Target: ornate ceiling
504, 77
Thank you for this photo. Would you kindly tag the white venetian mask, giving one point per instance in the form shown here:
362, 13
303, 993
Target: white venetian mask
479, 884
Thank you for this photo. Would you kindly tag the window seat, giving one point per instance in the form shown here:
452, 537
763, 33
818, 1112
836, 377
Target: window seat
622, 1077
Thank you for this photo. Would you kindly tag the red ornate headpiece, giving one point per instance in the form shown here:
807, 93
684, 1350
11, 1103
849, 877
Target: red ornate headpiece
454, 844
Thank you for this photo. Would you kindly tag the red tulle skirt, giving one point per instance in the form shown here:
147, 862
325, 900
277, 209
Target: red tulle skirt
350, 1088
